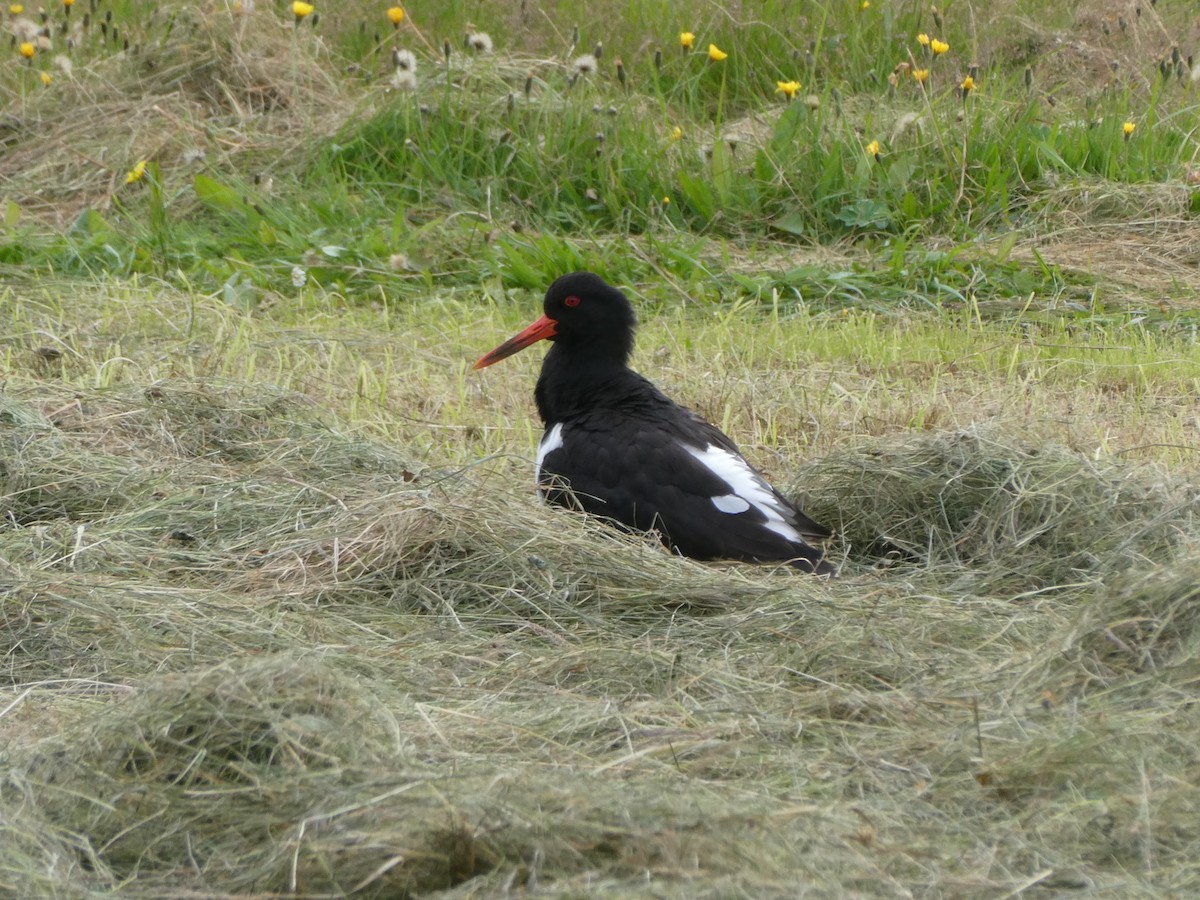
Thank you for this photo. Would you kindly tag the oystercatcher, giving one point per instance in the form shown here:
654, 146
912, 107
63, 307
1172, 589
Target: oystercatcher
617, 447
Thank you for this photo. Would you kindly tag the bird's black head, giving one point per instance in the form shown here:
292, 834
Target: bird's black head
589, 312
587, 318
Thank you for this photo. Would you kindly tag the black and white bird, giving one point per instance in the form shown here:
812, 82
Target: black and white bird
617, 447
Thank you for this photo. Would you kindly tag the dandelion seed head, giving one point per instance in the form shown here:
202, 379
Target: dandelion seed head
25, 29
403, 80
404, 59
584, 64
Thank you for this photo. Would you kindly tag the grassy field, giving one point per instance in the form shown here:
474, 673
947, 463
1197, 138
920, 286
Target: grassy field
280, 615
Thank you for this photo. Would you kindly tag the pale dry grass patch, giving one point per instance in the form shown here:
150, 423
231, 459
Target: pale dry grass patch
213, 89
277, 655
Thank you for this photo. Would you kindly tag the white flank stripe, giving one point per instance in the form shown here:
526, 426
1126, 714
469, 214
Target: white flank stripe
551, 442
731, 503
746, 485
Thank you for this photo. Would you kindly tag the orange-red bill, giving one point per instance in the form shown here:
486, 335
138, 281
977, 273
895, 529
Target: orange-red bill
538, 331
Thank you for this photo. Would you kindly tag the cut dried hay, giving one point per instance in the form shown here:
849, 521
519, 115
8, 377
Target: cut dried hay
199, 85
278, 773
277, 658
984, 501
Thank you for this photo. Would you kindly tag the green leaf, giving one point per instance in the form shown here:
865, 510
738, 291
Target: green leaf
1051, 154
865, 213
722, 171
787, 129
90, 224
794, 222
698, 194
266, 234
12, 213
1005, 249
216, 195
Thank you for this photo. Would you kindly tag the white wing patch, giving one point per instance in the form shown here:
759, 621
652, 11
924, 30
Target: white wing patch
746, 487
731, 503
551, 442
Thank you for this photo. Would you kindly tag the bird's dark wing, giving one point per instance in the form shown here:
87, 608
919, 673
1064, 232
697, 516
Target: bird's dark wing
706, 500
715, 437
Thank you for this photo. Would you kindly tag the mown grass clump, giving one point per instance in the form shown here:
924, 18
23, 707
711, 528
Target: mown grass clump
1036, 513
360, 677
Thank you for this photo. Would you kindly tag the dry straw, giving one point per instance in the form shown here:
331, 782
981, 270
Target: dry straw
282, 659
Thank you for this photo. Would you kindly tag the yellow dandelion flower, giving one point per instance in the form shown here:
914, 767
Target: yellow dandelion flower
968, 85
27, 49
686, 40
15, 9
301, 10
395, 15
46, 77
873, 149
137, 173
1127, 129
921, 75
923, 39
938, 47
866, 4
677, 133
715, 53
68, 3
787, 88
666, 201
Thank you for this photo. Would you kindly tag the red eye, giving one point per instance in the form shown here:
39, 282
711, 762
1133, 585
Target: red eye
571, 301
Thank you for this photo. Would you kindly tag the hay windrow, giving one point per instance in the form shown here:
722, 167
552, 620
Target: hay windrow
1034, 513
302, 663
265, 749
203, 84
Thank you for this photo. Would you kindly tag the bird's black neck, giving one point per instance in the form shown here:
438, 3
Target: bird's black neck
573, 383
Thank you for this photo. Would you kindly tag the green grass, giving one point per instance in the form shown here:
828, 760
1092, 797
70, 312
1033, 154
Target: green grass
279, 613
385, 174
